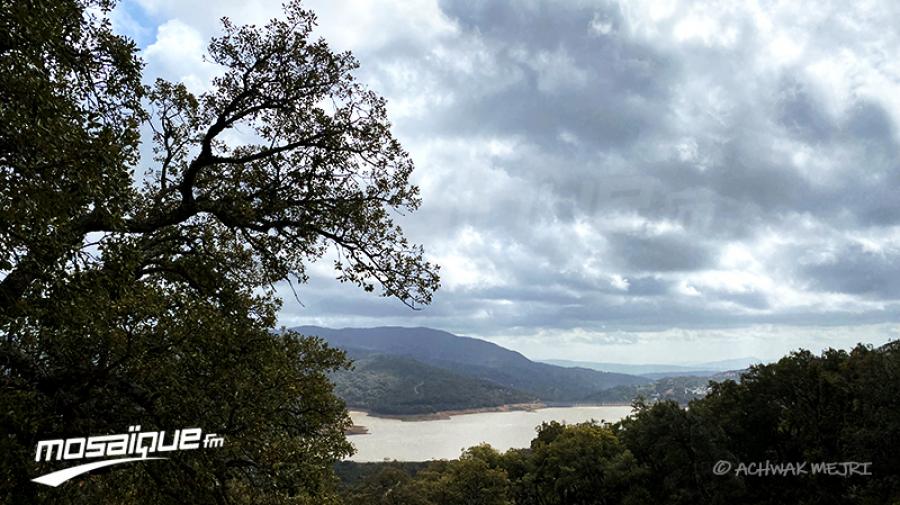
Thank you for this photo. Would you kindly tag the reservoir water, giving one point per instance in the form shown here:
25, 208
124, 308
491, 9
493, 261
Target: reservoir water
446, 438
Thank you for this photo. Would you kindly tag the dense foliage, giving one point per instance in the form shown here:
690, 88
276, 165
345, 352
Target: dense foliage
149, 299
836, 407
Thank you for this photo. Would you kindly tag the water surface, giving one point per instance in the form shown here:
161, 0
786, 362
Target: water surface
446, 438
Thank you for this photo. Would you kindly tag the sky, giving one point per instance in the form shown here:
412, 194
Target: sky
636, 181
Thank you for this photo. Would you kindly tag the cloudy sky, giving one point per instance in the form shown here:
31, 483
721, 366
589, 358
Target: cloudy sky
644, 181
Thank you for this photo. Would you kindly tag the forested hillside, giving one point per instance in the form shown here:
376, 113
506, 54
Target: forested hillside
477, 359
398, 385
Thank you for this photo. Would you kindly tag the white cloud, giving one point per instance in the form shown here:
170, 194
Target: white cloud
177, 55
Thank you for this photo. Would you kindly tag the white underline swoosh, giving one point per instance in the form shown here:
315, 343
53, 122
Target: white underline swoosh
56, 478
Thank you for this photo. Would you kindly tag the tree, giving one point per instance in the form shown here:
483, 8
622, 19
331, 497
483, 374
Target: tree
154, 303
389, 486
582, 464
473, 479
836, 407
677, 449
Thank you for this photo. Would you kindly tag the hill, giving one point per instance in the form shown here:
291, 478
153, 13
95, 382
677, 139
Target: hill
474, 358
399, 385
681, 389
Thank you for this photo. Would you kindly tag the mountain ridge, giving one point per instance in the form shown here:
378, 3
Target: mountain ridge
475, 358
398, 385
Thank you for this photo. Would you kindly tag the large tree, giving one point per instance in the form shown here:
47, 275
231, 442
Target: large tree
149, 298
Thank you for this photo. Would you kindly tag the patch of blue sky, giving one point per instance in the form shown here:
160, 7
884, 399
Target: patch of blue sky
131, 19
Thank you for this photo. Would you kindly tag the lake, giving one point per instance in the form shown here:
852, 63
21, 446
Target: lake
446, 438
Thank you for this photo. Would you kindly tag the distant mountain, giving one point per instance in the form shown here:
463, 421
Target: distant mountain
399, 385
646, 370
660, 370
476, 358
730, 364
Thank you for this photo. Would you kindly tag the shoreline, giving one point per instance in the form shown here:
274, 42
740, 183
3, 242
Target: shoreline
356, 429
447, 414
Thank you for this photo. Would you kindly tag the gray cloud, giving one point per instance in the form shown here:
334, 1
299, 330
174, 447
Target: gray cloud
664, 253
853, 269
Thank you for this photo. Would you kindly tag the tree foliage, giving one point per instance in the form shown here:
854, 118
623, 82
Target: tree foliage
130, 298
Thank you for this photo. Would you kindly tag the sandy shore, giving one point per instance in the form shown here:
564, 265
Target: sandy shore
447, 414
356, 429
